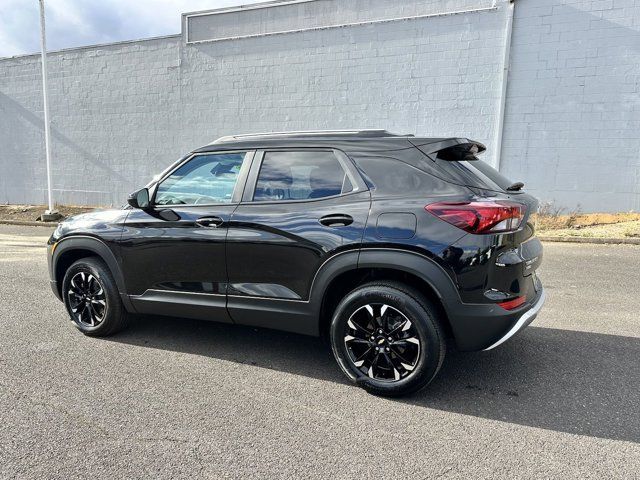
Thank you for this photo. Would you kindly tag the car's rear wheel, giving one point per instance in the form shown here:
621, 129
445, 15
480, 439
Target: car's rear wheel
387, 338
92, 299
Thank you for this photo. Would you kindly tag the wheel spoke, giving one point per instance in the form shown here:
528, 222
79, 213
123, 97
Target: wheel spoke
399, 355
400, 364
364, 356
355, 326
406, 341
399, 327
360, 341
85, 315
94, 313
91, 283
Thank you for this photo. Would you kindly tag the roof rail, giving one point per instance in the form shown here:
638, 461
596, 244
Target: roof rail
308, 133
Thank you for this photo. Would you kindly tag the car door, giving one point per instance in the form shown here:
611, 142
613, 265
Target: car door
173, 254
300, 208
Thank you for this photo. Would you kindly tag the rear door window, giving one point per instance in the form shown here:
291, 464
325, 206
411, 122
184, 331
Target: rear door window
300, 175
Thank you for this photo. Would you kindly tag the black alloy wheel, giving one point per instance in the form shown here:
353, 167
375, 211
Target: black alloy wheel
388, 338
92, 298
382, 342
87, 299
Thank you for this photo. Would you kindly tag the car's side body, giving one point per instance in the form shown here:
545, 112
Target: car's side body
275, 264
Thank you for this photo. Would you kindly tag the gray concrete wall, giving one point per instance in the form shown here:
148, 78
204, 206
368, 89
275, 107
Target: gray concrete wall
122, 112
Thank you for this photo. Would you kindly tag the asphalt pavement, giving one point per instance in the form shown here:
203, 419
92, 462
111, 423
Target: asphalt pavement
175, 398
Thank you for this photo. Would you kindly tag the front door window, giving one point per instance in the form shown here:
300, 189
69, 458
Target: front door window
207, 179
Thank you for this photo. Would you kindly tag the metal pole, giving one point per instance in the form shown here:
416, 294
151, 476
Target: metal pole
47, 131
505, 80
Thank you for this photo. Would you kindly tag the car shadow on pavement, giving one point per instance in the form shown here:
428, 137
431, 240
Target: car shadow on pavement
563, 380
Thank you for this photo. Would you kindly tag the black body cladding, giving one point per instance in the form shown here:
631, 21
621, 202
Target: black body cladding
281, 254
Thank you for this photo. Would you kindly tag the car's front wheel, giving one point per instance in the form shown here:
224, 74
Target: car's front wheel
387, 338
92, 299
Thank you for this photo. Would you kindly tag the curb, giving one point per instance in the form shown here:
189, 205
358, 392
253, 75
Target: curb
597, 241
25, 223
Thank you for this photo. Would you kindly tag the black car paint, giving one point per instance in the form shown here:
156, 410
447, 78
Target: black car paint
269, 264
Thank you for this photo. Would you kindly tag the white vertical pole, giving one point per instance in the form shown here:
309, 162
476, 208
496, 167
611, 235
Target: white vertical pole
505, 79
45, 92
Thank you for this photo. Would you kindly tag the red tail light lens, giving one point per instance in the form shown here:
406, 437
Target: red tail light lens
513, 304
482, 216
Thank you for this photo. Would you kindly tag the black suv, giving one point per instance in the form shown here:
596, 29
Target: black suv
388, 244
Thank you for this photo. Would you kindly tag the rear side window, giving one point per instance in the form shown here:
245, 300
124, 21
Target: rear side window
474, 173
300, 175
390, 176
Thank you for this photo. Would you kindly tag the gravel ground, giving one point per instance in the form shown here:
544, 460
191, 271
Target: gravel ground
173, 398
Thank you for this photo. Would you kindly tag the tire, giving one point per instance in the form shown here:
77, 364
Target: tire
399, 366
92, 299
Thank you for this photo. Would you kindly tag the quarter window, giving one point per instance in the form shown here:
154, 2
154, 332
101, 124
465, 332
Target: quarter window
203, 180
300, 176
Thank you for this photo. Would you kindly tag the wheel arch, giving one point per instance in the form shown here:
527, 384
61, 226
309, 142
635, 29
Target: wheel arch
410, 268
71, 249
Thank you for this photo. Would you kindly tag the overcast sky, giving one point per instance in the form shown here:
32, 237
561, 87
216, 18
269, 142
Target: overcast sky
72, 23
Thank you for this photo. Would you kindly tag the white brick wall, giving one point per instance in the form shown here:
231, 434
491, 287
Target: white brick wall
122, 112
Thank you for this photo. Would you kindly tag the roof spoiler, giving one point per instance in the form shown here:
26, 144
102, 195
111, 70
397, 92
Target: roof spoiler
452, 149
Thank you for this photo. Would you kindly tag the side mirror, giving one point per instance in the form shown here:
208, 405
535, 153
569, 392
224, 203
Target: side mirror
139, 199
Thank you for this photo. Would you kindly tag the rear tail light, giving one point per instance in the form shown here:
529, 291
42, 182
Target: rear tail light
513, 304
481, 216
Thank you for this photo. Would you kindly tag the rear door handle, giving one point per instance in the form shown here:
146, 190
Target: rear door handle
210, 222
336, 220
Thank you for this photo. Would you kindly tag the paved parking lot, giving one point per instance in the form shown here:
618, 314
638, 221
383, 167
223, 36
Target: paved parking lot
175, 398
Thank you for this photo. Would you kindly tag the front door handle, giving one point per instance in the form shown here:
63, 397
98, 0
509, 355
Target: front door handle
336, 220
210, 222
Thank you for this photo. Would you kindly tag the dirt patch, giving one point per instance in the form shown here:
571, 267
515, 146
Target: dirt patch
31, 213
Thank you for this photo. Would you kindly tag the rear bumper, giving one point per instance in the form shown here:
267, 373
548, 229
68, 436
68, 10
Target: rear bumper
485, 326
525, 319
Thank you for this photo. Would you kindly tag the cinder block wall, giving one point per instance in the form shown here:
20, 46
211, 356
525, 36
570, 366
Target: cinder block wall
114, 121
122, 112
572, 129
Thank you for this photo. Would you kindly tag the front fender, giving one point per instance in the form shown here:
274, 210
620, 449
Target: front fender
68, 245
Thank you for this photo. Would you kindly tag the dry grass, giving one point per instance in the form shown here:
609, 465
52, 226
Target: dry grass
553, 222
545, 222
611, 230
